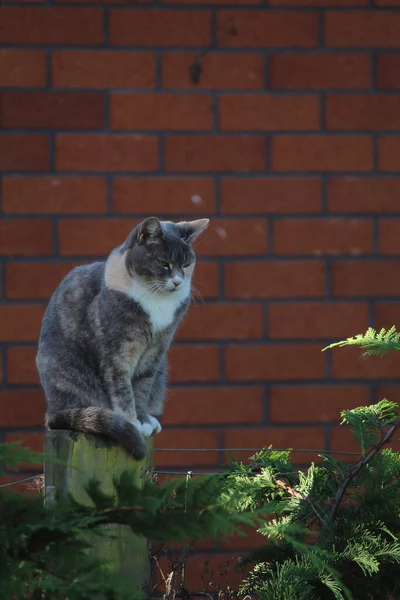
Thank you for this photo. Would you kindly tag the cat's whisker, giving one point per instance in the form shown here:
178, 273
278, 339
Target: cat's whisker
195, 292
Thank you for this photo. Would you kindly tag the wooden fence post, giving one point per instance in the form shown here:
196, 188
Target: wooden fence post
124, 552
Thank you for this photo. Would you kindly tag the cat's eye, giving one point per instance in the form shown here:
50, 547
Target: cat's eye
186, 265
164, 264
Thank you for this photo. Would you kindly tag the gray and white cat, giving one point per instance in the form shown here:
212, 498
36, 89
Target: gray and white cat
102, 355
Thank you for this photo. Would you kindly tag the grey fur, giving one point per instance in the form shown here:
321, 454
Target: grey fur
102, 355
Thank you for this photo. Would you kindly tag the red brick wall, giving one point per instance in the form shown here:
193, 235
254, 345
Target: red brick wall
288, 142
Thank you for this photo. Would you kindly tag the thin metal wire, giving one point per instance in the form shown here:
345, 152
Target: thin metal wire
255, 450
214, 450
155, 472
21, 480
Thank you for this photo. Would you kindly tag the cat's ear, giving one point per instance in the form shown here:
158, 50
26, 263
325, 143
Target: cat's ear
190, 230
149, 230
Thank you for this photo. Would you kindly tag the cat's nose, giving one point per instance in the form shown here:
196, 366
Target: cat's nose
176, 281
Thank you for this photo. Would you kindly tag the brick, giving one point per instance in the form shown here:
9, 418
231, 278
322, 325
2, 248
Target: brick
365, 278
366, 29
249, 541
20, 323
350, 363
342, 440
302, 279
310, 320
215, 2
222, 237
21, 408
22, 68
280, 438
388, 71
391, 392
221, 321
262, 362
389, 241
264, 112
323, 236
134, 2
322, 153
314, 403
219, 71
161, 111
52, 110
214, 406
374, 195
358, 112
215, 153
267, 29
56, 195
186, 438
164, 195
160, 27
389, 153
267, 195
103, 69
188, 364
22, 152
386, 314
21, 367
35, 280
32, 441
51, 25
102, 152
205, 283
92, 237
319, 3
24, 237
307, 71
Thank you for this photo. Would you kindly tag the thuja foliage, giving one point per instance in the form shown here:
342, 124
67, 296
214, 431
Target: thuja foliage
373, 342
43, 549
334, 529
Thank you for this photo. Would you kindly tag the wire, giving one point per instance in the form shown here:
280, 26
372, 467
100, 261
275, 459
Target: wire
155, 472
21, 480
254, 450
215, 450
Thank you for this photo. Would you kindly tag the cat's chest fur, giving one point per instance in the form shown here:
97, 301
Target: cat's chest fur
161, 309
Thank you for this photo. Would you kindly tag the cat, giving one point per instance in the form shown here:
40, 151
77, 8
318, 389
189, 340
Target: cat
102, 352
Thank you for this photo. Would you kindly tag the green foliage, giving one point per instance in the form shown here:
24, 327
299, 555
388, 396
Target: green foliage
367, 421
13, 456
333, 531
373, 342
44, 549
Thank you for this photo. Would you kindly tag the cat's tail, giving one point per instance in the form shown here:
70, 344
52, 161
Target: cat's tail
101, 421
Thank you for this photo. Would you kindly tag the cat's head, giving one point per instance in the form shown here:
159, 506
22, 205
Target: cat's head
161, 255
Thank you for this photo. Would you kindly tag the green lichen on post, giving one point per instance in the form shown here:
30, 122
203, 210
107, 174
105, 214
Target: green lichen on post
89, 456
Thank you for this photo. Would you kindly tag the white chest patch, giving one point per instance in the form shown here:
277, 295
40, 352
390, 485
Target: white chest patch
160, 308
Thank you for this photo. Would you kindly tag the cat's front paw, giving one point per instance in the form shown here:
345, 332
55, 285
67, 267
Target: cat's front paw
136, 423
147, 429
155, 423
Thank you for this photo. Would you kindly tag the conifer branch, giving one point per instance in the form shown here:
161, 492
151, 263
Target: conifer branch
375, 343
309, 501
359, 465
